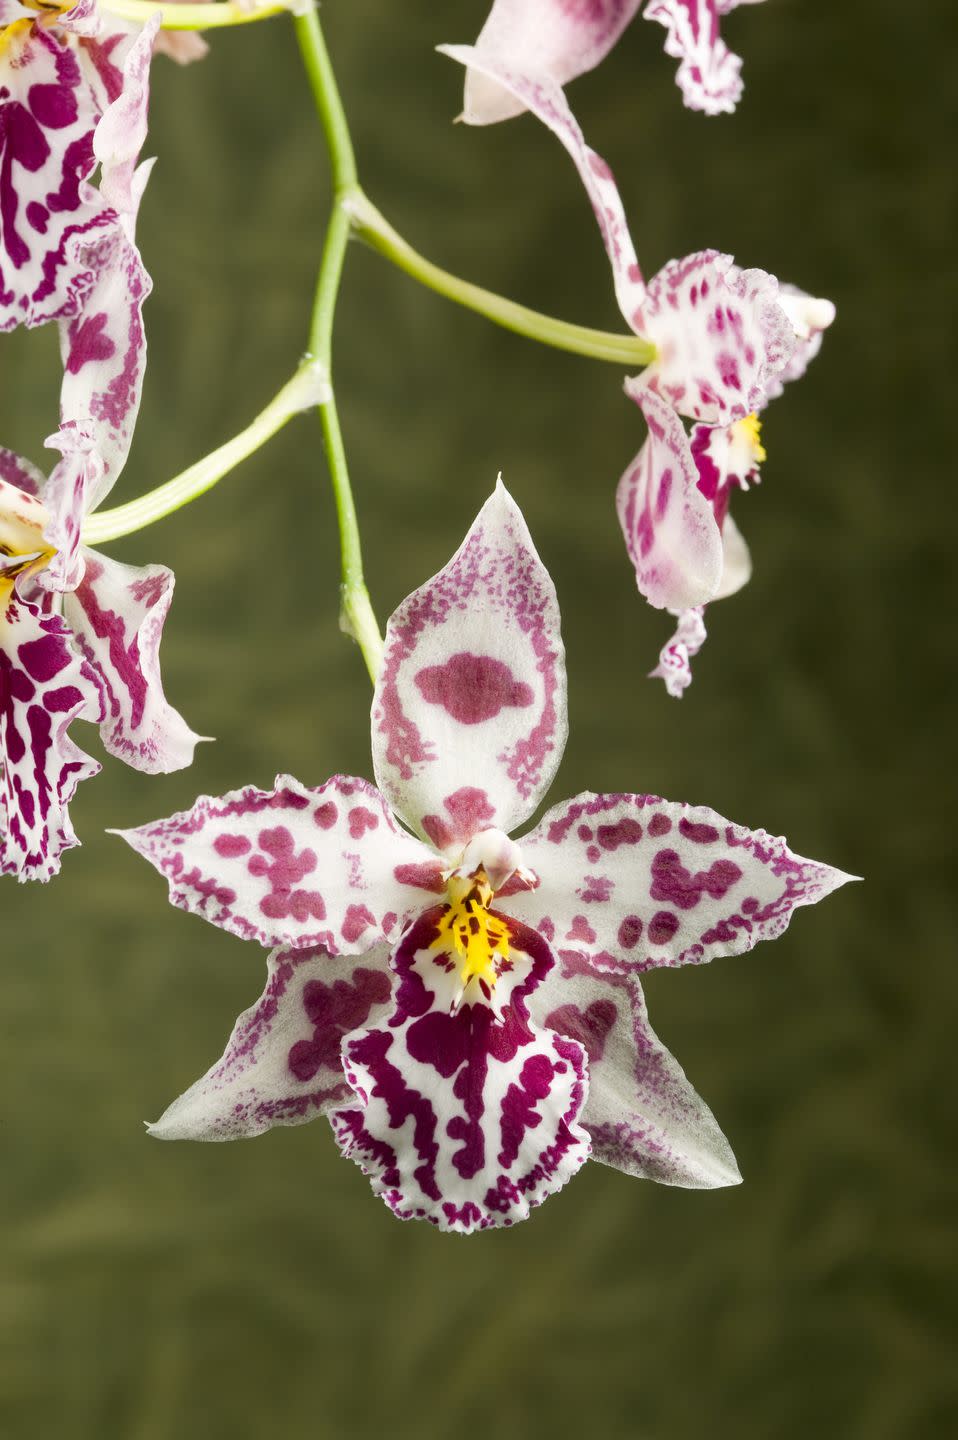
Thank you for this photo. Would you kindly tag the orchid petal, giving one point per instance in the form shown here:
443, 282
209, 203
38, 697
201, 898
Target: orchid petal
633, 882
809, 318
720, 334
642, 1114
76, 478
119, 137
104, 358
669, 526
44, 687
117, 615
736, 560
49, 213
282, 1063
546, 100
21, 474
294, 866
473, 685
709, 75
548, 38
674, 658
464, 1119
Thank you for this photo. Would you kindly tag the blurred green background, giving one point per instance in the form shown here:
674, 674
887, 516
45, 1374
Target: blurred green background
258, 1290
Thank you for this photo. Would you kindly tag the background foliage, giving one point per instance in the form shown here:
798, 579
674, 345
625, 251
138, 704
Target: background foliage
257, 1290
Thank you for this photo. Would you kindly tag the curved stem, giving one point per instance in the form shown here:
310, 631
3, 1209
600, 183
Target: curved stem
302, 392
628, 351
198, 17
357, 617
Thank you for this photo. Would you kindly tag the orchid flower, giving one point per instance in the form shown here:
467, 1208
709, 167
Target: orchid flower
86, 650
556, 40
727, 340
467, 1008
71, 94
79, 633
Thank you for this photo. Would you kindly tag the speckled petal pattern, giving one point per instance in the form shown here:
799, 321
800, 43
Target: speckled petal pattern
282, 1063
642, 1114
469, 712
117, 614
633, 882
294, 866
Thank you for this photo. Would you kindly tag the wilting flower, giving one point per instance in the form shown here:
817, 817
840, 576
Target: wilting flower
467, 1008
559, 39
726, 340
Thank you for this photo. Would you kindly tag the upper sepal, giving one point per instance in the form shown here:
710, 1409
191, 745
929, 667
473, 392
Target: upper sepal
469, 711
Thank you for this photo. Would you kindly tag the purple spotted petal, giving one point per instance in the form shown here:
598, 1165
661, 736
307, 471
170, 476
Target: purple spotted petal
49, 213
546, 100
469, 713
720, 333
294, 866
709, 75
21, 474
642, 1114
632, 882
554, 39
464, 1120
667, 522
43, 688
104, 358
117, 615
282, 1063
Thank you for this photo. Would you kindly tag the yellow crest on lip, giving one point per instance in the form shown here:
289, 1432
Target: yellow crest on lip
469, 929
749, 433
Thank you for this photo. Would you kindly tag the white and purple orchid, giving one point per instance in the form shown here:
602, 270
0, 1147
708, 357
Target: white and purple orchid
556, 40
726, 341
79, 633
73, 87
467, 1008
77, 644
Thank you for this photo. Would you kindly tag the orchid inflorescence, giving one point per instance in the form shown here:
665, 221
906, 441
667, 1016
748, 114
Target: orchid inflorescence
466, 1008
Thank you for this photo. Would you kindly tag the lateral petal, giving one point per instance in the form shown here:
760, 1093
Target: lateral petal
295, 866
633, 882
117, 614
546, 101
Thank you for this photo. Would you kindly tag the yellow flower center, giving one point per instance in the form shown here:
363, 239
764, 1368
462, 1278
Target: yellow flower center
22, 546
49, 13
748, 432
471, 931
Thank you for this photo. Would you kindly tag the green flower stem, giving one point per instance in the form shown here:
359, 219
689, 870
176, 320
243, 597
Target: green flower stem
198, 17
356, 615
302, 392
627, 351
